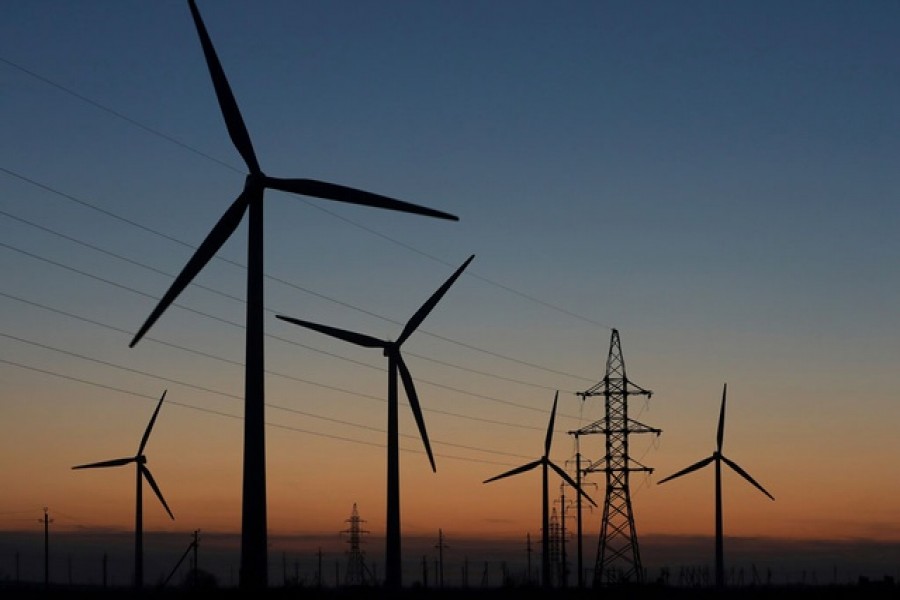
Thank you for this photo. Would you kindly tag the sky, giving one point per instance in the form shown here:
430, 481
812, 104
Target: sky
715, 181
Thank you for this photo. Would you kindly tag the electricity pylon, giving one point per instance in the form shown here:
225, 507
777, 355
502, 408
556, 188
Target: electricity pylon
618, 554
357, 572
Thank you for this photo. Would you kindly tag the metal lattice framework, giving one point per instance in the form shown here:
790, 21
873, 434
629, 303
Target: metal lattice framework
357, 573
618, 554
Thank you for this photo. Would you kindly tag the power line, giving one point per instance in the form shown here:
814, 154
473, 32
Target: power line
284, 375
239, 326
317, 206
238, 397
318, 295
238, 417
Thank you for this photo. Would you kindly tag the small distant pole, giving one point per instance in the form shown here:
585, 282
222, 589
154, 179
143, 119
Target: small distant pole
196, 544
319, 574
440, 546
528, 552
47, 520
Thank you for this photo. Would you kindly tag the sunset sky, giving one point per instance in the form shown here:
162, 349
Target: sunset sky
718, 181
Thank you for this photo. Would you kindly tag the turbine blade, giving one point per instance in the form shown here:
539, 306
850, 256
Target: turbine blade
116, 462
516, 471
146, 473
150, 424
414, 405
359, 339
233, 120
720, 436
342, 193
429, 305
214, 240
686, 470
570, 481
549, 439
746, 476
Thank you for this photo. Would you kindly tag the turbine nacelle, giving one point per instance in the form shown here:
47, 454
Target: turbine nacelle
255, 181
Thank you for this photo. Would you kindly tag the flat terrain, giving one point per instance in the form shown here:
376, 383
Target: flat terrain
877, 590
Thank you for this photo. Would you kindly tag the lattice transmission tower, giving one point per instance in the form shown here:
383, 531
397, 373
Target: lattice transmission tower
618, 554
357, 573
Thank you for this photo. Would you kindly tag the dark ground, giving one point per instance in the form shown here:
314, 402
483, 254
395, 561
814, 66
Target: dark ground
864, 590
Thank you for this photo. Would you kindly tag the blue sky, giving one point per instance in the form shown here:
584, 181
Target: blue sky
718, 181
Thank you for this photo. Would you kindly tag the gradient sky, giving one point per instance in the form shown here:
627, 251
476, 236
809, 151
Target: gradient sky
717, 181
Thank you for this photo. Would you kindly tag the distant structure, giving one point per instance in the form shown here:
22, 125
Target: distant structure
546, 464
143, 474
253, 574
357, 573
618, 554
440, 546
46, 520
556, 554
396, 369
718, 458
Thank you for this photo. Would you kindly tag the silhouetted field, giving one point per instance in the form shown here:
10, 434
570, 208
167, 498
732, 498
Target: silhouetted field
865, 590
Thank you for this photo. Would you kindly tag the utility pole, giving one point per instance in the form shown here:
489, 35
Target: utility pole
618, 554
319, 571
196, 544
47, 520
528, 553
440, 547
579, 472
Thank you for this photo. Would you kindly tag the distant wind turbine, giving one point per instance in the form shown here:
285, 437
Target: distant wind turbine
545, 463
143, 473
719, 458
254, 541
396, 365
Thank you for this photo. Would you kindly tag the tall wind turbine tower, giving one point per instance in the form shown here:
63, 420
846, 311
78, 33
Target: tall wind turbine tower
618, 555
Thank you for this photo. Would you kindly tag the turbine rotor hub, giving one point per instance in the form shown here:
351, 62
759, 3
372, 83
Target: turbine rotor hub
255, 181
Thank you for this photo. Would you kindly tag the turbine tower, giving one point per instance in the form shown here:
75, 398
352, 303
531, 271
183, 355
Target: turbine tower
718, 458
546, 465
143, 474
396, 367
618, 555
254, 528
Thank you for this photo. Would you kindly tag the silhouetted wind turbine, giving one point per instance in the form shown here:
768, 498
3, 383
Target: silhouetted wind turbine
719, 458
545, 463
254, 559
143, 473
395, 365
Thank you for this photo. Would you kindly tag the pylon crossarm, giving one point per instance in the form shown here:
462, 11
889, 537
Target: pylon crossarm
639, 390
638, 427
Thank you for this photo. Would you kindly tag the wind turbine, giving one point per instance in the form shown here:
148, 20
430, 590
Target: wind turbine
546, 464
254, 542
143, 473
719, 458
396, 365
